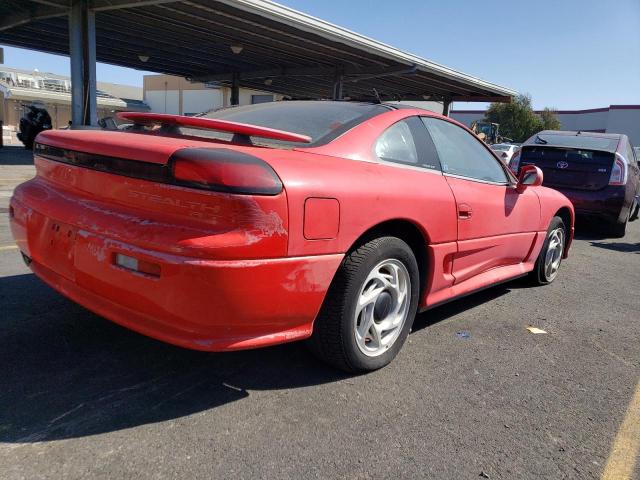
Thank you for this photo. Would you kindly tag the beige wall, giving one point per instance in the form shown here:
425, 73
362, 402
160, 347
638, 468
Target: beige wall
178, 96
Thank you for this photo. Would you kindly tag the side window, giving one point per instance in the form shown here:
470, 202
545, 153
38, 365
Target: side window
462, 154
396, 144
407, 142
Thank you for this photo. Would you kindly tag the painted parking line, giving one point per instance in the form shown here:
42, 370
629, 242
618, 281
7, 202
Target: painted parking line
626, 446
8, 247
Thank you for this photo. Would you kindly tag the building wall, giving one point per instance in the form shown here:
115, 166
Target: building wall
613, 119
197, 101
178, 96
163, 101
625, 120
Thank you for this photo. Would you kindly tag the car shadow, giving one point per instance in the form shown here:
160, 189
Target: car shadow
618, 246
15, 155
68, 373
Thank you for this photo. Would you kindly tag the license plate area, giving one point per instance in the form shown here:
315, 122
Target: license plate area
56, 247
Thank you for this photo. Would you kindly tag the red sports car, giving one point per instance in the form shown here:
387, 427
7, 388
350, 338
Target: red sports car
257, 225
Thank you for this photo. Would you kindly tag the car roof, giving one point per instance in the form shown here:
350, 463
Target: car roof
581, 133
605, 142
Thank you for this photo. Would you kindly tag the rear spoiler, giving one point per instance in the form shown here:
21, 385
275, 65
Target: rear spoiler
212, 124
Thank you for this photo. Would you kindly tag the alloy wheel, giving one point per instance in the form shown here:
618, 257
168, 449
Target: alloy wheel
553, 256
382, 308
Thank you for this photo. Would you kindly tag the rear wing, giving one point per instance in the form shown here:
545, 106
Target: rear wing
212, 124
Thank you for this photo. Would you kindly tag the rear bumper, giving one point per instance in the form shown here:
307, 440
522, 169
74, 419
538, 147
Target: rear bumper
202, 304
608, 203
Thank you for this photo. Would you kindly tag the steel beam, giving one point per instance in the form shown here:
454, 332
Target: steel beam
102, 5
338, 82
82, 52
350, 74
446, 105
235, 89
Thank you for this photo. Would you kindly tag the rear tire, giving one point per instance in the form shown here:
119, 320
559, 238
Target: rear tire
636, 212
548, 262
370, 307
619, 229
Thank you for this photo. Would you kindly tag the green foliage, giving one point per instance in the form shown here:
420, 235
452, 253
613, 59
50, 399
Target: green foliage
517, 119
550, 119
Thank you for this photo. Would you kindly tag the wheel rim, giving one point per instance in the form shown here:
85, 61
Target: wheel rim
382, 308
553, 257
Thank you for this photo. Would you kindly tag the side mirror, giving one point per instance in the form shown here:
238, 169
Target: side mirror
530, 176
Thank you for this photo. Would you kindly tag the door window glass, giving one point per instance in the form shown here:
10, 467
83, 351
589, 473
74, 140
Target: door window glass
462, 154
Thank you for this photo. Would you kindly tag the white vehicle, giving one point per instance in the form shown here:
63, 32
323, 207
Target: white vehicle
505, 151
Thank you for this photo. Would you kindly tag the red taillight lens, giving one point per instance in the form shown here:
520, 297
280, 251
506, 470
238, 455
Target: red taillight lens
224, 170
618, 172
514, 163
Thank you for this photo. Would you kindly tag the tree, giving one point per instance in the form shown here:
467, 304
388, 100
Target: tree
550, 119
517, 119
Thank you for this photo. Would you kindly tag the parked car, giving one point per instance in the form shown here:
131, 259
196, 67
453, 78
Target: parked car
598, 172
269, 223
505, 151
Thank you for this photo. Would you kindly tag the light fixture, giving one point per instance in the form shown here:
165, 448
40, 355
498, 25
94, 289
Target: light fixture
236, 48
143, 58
268, 81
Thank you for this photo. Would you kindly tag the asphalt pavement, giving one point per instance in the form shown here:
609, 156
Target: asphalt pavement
473, 394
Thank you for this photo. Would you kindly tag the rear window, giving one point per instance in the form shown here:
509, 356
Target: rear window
576, 141
322, 121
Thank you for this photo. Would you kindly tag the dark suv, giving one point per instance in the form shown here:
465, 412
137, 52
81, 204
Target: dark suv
598, 172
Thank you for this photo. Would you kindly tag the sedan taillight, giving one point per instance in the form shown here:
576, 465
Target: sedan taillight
618, 172
224, 170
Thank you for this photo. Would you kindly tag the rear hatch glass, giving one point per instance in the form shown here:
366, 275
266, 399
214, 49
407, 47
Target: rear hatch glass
570, 168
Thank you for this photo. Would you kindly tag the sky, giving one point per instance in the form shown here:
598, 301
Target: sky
566, 54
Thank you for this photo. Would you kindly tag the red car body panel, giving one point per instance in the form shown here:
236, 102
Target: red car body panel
244, 271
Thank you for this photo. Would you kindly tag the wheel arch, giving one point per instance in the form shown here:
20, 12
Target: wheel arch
409, 232
566, 215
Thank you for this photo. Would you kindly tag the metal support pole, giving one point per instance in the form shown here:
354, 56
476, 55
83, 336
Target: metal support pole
82, 51
337, 85
446, 104
235, 89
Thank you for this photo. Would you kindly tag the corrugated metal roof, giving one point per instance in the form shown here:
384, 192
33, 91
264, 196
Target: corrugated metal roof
283, 50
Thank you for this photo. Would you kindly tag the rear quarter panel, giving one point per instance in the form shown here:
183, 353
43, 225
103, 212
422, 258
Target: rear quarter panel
368, 192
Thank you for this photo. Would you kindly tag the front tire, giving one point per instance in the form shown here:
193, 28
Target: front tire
548, 262
369, 308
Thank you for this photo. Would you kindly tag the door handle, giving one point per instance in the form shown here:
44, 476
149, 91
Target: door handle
464, 211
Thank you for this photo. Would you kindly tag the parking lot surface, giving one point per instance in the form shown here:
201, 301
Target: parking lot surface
472, 394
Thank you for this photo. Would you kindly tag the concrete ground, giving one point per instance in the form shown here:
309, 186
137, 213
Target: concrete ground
83, 398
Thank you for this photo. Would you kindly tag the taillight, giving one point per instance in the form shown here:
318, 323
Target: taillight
618, 172
514, 163
224, 170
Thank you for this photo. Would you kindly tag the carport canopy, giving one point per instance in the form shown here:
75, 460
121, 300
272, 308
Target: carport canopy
251, 43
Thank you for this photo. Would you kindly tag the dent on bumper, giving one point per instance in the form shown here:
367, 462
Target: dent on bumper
200, 304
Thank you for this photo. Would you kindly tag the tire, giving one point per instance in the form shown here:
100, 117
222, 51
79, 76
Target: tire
542, 274
636, 212
618, 229
340, 334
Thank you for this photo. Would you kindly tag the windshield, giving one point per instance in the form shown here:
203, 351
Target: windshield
501, 148
323, 121
587, 142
